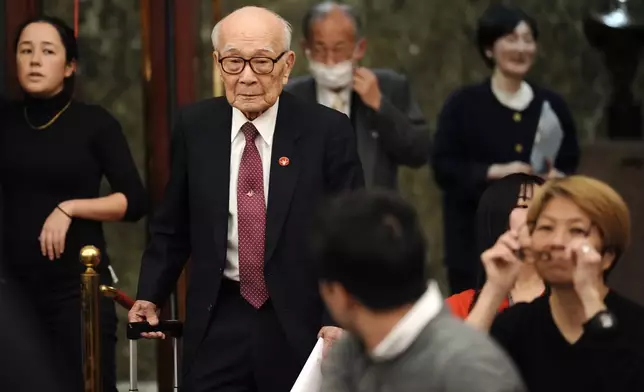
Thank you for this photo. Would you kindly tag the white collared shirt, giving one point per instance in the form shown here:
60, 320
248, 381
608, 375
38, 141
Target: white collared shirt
265, 125
329, 98
405, 332
516, 101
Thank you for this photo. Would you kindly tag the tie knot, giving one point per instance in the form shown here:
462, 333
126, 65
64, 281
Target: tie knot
338, 102
250, 132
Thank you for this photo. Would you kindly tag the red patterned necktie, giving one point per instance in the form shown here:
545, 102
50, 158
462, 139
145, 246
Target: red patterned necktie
251, 220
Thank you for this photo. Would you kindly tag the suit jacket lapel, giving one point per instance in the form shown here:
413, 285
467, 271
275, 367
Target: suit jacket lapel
310, 90
360, 117
216, 157
356, 113
283, 177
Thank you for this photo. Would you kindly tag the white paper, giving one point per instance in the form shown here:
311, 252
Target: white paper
547, 140
310, 378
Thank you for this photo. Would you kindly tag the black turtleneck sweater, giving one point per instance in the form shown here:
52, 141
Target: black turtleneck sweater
41, 168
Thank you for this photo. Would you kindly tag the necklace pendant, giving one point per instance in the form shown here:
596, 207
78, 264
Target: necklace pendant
517, 117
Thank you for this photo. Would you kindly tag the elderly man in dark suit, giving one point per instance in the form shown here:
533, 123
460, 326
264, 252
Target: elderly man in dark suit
389, 125
248, 172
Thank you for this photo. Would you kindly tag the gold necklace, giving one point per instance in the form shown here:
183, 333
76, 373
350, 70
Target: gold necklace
48, 123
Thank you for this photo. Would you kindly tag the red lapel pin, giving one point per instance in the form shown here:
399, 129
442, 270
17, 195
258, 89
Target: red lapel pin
284, 161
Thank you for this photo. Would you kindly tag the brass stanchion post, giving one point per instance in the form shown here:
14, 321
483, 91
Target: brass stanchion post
90, 257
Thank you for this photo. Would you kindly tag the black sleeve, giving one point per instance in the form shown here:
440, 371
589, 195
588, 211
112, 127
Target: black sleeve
118, 166
506, 328
569, 153
453, 168
343, 167
169, 246
617, 357
402, 127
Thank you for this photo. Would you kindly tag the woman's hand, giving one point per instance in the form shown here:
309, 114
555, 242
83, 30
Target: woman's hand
502, 267
500, 170
587, 263
587, 275
552, 172
501, 262
53, 233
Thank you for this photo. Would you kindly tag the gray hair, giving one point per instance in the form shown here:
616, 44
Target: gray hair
322, 10
287, 32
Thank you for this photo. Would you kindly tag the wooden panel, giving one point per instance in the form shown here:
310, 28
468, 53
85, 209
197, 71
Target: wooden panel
15, 13
185, 49
3, 50
621, 164
169, 38
157, 133
155, 92
217, 83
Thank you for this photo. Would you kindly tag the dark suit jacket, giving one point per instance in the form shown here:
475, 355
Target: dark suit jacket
193, 217
395, 135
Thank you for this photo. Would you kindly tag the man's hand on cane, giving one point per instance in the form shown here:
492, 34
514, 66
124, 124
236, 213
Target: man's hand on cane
145, 311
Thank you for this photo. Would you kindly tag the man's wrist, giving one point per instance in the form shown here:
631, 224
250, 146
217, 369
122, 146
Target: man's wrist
377, 104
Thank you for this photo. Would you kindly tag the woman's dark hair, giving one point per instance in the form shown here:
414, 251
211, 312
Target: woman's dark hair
498, 21
493, 213
67, 38
65, 32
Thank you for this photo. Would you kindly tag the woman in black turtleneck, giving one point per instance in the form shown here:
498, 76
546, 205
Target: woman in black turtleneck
54, 151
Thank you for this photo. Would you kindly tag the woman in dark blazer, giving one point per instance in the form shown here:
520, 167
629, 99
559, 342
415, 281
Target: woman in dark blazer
487, 130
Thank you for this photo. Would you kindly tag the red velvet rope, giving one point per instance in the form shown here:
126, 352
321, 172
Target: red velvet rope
118, 296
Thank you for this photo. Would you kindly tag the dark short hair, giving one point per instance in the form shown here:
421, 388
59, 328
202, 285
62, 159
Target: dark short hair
322, 10
372, 244
65, 32
495, 205
498, 21
67, 38
493, 214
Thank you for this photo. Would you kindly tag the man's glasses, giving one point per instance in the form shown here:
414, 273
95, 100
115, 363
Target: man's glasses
234, 65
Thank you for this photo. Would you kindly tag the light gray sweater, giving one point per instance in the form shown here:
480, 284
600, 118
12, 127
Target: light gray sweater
447, 356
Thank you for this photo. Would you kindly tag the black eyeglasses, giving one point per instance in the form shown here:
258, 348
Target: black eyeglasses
234, 65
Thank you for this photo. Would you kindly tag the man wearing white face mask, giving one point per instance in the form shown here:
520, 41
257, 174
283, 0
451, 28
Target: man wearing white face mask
389, 125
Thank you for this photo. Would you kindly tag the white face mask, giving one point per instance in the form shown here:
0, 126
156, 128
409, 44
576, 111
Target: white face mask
334, 76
